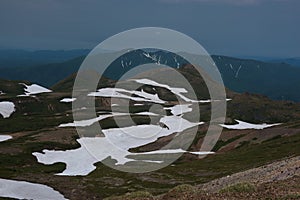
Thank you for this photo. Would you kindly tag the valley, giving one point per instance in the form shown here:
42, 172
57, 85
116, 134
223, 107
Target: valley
40, 143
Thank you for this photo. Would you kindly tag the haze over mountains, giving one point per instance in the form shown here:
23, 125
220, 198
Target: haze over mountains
277, 79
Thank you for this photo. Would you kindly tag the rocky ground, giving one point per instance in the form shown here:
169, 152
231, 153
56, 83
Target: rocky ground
273, 172
278, 180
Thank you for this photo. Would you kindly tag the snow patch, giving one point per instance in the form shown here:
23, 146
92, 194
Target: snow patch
26, 190
89, 122
238, 71
67, 100
5, 137
116, 144
176, 91
146, 113
135, 136
170, 151
123, 93
245, 125
180, 109
7, 108
138, 104
34, 89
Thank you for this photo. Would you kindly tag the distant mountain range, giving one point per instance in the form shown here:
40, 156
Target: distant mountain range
295, 61
22, 58
277, 80
291, 61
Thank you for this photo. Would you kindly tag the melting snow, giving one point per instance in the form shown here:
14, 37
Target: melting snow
34, 89
5, 137
180, 109
153, 58
237, 73
167, 151
89, 122
119, 93
138, 104
135, 136
25, 190
178, 64
67, 100
147, 55
176, 91
7, 108
116, 143
146, 113
245, 125
80, 161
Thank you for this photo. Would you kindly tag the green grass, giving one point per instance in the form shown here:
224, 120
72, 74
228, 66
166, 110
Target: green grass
184, 172
187, 170
239, 188
294, 196
273, 138
134, 195
243, 143
182, 189
221, 143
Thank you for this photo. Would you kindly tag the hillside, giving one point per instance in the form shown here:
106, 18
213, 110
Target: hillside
278, 81
275, 80
47, 74
291, 61
42, 123
265, 182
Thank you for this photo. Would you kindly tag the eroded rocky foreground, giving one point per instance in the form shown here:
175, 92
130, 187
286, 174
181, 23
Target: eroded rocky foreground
278, 180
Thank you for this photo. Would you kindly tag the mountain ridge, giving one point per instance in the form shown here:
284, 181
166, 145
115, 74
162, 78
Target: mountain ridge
278, 81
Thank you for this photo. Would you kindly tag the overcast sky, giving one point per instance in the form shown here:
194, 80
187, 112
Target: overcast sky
268, 28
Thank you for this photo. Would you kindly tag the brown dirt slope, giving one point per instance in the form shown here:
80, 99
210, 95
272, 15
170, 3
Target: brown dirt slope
278, 180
